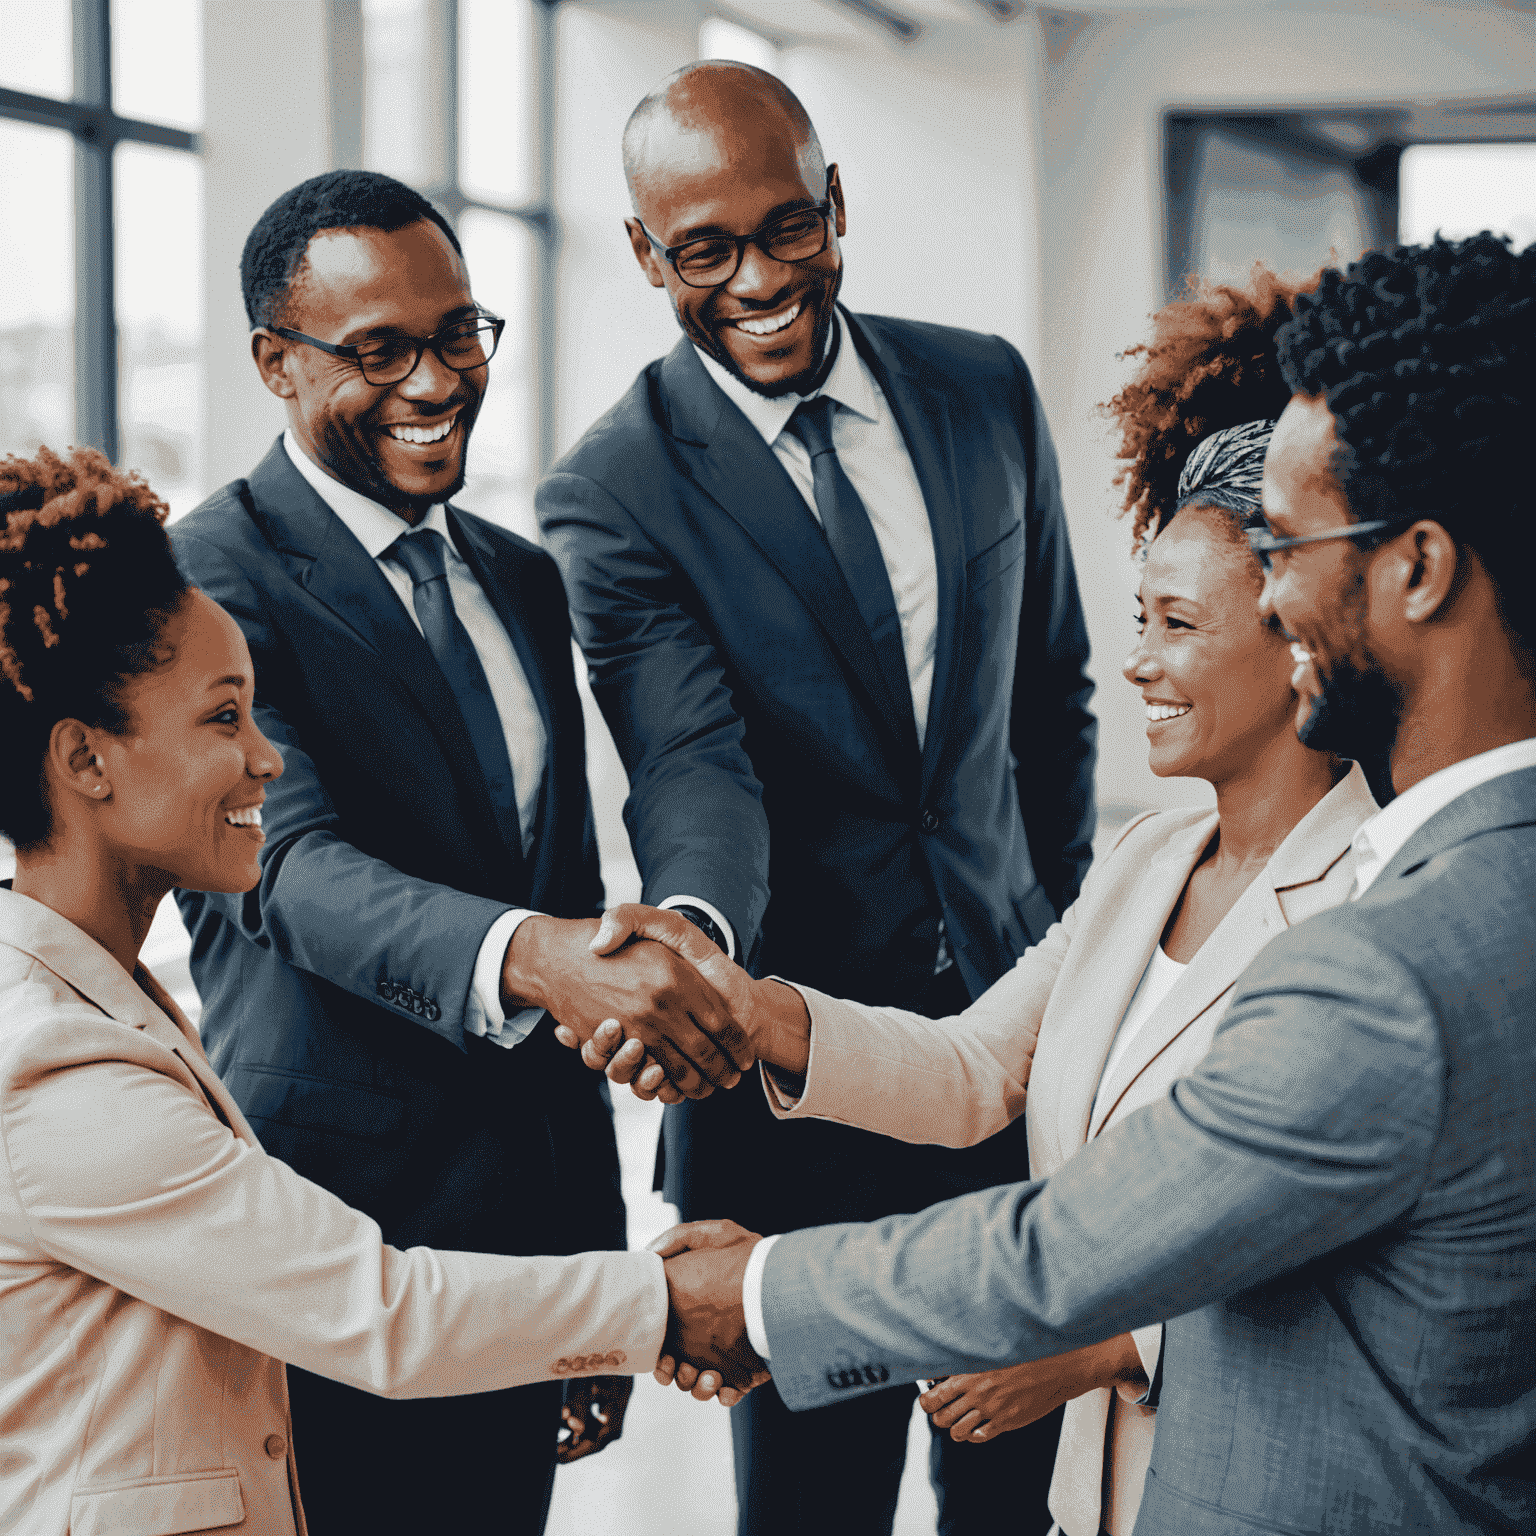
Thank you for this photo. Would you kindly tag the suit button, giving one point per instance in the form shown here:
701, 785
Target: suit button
275, 1446
930, 822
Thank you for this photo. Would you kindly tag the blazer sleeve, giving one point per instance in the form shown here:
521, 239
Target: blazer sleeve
1310, 1124
124, 1173
947, 1082
322, 904
1052, 734
694, 812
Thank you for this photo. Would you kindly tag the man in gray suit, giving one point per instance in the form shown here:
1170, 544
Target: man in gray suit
1343, 1196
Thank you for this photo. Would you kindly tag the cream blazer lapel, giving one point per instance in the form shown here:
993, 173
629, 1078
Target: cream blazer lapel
1112, 943
91, 971
1300, 878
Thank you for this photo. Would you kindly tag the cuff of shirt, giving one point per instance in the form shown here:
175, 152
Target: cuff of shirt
1149, 1345
712, 913
752, 1294
483, 1013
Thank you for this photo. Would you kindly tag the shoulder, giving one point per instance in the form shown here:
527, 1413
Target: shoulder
221, 537
503, 540
968, 355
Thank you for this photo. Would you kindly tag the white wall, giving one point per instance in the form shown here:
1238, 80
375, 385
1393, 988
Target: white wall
266, 129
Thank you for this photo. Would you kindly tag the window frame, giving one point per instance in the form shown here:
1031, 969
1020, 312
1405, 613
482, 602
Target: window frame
97, 129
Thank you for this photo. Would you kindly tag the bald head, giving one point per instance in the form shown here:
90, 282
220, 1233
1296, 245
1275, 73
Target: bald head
714, 112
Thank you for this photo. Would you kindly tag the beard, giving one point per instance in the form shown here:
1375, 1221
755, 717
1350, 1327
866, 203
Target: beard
822, 296
1356, 715
350, 453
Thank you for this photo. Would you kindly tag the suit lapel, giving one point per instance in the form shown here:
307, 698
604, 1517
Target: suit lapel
328, 562
731, 463
1495, 804
922, 417
1127, 930
1289, 888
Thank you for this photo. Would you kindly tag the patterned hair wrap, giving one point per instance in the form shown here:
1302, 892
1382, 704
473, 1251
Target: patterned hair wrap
1226, 469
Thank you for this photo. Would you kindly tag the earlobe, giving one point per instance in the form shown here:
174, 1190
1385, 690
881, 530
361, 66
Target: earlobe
644, 254
77, 764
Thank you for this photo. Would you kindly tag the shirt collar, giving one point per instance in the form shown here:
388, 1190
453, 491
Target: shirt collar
1378, 840
849, 382
374, 526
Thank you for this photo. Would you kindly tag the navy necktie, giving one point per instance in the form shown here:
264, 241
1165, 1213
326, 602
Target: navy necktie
423, 555
856, 549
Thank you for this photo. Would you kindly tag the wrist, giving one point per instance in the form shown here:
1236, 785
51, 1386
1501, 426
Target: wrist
780, 1026
532, 959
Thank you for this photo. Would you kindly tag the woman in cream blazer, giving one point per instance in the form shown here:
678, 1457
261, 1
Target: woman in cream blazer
157, 1268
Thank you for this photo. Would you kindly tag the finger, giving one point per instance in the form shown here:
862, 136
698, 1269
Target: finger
666, 1369
681, 1071
728, 1397
981, 1432
687, 1375
940, 1393
568, 1037
652, 1077
614, 929
626, 1062
678, 1239
668, 1094
951, 1413
972, 1421
707, 1385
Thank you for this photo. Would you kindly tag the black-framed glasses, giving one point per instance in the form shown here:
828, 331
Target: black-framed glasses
1264, 543
463, 346
715, 259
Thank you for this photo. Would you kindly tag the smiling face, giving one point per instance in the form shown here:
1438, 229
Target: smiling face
183, 784
728, 165
401, 444
1319, 594
1215, 679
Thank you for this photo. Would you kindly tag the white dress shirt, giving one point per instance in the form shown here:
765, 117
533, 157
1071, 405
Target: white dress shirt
375, 527
874, 456
1155, 984
1377, 841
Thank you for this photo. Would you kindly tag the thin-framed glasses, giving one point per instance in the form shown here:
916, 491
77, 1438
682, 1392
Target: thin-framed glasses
463, 346
715, 259
1264, 543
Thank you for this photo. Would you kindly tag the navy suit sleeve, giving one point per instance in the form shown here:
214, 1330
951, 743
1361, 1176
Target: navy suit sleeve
1052, 734
694, 811
1311, 1124
322, 904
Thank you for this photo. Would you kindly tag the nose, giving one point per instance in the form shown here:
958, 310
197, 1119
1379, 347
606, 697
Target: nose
430, 380
758, 277
1141, 666
262, 760
1267, 596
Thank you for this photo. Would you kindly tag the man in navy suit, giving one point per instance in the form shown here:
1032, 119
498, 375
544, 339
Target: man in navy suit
377, 1005
820, 572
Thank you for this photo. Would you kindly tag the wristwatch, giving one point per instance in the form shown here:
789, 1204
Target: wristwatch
706, 925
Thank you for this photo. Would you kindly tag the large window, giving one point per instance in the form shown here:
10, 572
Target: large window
455, 100
101, 295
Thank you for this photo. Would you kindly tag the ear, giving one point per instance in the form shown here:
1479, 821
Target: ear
73, 765
645, 254
1421, 566
835, 194
271, 354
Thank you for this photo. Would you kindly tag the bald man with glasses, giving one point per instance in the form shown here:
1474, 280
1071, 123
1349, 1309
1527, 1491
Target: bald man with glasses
819, 568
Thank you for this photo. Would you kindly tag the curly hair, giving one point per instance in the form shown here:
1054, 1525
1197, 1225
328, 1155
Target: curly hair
1425, 356
1211, 364
275, 248
87, 583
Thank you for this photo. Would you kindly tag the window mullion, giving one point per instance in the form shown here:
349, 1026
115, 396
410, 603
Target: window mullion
95, 304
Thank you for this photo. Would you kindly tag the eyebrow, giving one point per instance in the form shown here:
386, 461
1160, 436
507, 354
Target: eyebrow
462, 312
233, 680
707, 231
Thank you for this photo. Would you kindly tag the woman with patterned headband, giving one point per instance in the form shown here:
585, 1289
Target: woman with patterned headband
1125, 993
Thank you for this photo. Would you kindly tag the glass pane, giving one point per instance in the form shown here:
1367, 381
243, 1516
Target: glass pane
157, 61
400, 136
500, 252
496, 100
159, 217
35, 55
1461, 189
37, 290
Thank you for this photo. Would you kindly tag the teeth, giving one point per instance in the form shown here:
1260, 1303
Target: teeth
772, 323
249, 817
1300, 654
423, 434
1167, 711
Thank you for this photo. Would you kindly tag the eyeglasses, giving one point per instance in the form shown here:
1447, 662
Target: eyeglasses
1264, 543
463, 346
715, 259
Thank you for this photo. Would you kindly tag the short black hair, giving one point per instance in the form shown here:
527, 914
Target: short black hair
1425, 356
274, 249
87, 585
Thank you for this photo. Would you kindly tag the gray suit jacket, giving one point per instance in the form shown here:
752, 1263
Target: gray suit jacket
1345, 1226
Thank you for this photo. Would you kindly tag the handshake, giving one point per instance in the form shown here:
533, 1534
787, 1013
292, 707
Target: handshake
648, 999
